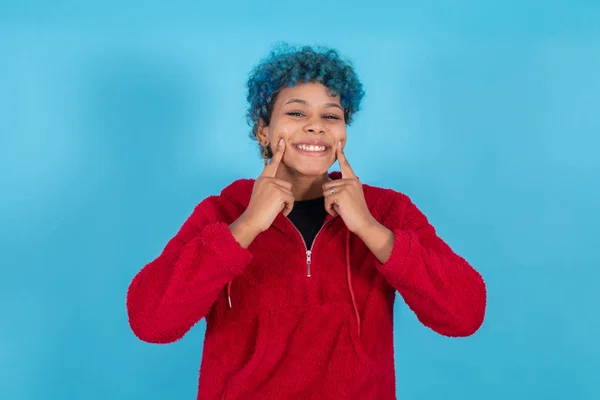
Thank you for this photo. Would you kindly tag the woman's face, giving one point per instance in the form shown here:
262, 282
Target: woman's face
311, 122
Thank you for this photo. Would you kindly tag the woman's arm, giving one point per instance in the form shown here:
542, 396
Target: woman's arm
177, 289
444, 291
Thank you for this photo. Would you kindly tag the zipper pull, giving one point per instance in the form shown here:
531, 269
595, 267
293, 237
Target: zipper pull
308, 255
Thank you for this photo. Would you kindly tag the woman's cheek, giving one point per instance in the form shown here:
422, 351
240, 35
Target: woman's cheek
341, 137
285, 135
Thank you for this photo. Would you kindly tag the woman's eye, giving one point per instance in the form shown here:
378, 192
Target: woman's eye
299, 114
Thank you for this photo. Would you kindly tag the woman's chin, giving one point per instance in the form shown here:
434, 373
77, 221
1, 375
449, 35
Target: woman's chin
315, 171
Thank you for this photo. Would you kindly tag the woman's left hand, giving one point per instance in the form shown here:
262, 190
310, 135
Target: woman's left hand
347, 199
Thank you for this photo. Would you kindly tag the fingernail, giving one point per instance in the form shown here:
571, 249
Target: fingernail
340, 143
281, 141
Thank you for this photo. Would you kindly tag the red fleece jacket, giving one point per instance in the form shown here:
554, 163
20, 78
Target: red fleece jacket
273, 331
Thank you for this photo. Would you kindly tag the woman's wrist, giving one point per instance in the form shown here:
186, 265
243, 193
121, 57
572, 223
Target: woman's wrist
243, 231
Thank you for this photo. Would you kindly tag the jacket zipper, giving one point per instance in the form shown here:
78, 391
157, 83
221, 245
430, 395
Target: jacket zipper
309, 251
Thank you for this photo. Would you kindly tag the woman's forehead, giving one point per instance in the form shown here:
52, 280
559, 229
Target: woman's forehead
313, 93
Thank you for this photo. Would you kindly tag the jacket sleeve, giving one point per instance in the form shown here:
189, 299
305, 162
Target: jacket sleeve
439, 286
177, 289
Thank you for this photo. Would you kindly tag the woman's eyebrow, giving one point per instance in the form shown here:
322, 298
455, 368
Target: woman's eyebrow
304, 102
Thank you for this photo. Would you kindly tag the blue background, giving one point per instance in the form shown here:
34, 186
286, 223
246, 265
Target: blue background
116, 120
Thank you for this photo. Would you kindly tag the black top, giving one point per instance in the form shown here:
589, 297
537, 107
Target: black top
308, 216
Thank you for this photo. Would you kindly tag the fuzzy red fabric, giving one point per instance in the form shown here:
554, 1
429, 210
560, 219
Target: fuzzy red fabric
272, 331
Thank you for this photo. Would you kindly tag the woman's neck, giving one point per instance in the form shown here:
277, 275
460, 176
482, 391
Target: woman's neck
305, 187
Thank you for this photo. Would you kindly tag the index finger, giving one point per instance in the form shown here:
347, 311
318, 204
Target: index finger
347, 171
271, 168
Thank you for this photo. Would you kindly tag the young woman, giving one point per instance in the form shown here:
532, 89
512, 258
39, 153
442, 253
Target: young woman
296, 272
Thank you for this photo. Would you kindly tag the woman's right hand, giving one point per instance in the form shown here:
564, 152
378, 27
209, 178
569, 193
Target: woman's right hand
270, 195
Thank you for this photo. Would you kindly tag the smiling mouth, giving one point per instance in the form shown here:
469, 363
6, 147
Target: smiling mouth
311, 148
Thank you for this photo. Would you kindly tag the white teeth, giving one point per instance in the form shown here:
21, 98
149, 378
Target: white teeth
311, 148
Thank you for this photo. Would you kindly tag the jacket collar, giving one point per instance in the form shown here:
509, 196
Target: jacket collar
240, 192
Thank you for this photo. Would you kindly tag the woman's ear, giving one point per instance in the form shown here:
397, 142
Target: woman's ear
262, 133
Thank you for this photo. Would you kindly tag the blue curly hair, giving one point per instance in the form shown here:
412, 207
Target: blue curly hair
286, 66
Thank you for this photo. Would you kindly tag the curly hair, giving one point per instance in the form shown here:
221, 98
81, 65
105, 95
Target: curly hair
286, 66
